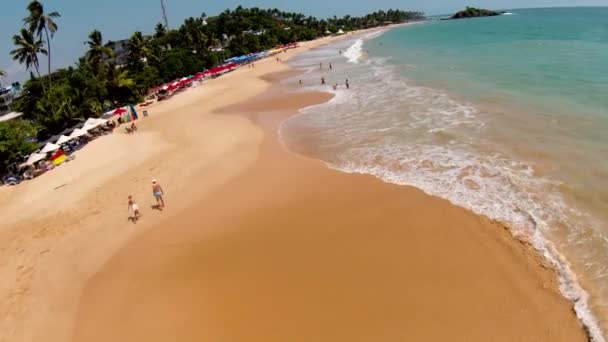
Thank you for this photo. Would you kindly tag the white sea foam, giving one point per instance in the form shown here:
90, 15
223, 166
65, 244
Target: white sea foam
354, 53
413, 135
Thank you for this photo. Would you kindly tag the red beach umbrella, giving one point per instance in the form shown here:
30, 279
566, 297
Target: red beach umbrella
119, 111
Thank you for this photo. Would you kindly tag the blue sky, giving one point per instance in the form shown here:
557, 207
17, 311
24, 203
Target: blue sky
116, 19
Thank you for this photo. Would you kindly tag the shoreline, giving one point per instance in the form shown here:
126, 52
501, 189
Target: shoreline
231, 227
573, 286
256, 134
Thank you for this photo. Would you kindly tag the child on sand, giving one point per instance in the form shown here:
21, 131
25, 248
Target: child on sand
133, 210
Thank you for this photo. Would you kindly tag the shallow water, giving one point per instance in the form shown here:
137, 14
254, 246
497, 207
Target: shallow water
505, 116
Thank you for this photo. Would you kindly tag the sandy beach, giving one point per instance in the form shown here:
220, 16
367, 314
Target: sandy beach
256, 243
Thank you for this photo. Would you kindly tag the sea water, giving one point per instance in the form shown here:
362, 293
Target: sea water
506, 116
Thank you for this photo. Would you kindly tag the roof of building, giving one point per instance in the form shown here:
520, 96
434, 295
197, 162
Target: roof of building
10, 116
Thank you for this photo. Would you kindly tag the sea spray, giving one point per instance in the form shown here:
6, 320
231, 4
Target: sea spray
354, 53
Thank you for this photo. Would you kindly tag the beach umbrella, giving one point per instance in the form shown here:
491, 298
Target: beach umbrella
89, 126
92, 122
78, 133
89, 121
34, 158
101, 121
63, 139
119, 111
49, 147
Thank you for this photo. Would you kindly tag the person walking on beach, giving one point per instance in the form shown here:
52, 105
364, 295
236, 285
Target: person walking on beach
330, 66
322, 80
158, 193
300, 82
133, 208
346, 84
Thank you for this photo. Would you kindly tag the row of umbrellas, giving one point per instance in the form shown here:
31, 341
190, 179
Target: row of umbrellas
91, 123
246, 58
185, 80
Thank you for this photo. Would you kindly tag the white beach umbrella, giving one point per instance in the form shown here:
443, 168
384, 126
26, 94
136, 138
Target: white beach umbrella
78, 133
101, 121
63, 139
49, 147
91, 122
34, 158
89, 126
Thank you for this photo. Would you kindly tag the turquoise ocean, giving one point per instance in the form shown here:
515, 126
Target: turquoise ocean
506, 116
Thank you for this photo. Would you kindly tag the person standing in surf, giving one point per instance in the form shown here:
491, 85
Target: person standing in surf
347, 84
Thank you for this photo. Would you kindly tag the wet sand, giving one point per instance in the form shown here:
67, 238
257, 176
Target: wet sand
289, 250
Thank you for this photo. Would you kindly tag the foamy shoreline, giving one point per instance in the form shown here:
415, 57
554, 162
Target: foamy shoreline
568, 283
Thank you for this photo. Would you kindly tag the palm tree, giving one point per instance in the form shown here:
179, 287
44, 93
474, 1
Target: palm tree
138, 48
39, 22
159, 31
27, 50
97, 51
119, 84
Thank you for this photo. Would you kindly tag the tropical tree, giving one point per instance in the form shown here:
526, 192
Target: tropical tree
27, 50
14, 143
159, 31
119, 85
97, 51
138, 49
38, 22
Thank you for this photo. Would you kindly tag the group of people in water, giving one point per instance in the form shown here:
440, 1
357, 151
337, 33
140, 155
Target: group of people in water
335, 85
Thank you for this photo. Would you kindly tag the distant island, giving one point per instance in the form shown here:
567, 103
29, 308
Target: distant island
472, 12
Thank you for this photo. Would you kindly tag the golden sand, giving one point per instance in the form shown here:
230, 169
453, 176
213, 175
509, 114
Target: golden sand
256, 243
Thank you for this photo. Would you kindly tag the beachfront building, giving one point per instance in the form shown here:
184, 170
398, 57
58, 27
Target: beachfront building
9, 116
121, 51
120, 48
7, 96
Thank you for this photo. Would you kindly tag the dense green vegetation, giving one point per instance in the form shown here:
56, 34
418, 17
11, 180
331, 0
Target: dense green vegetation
14, 142
472, 12
96, 83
